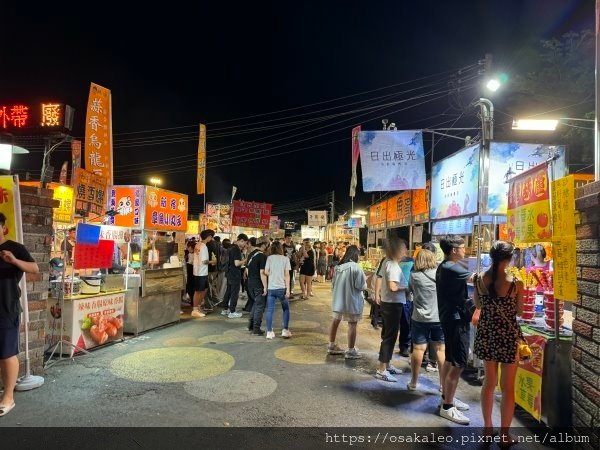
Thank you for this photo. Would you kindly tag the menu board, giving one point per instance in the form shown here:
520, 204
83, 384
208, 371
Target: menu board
455, 185
564, 239
420, 204
454, 226
90, 195
165, 210
128, 202
251, 214
218, 218
398, 210
377, 215
90, 256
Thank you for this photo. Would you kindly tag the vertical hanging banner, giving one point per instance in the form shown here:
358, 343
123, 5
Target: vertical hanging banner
392, 160
355, 155
564, 239
98, 133
8, 194
63, 173
201, 176
75, 158
528, 215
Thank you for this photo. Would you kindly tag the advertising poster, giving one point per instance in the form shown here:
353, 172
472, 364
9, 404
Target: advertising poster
355, 155
398, 210
528, 384
90, 195
218, 217
7, 204
392, 160
355, 222
128, 202
317, 218
455, 185
64, 194
378, 215
420, 204
529, 207
309, 232
98, 133
251, 214
564, 239
517, 158
455, 226
165, 210
201, 171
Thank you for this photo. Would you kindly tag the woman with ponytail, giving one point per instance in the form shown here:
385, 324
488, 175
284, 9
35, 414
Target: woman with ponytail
500, 298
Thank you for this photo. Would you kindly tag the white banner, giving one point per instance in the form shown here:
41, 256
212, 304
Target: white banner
309, 232
317, 218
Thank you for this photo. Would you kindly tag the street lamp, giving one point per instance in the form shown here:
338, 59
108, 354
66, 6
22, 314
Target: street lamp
155, 181
360, 212
493, 84
535, 124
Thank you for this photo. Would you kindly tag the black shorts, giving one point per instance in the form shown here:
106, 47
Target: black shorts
457, 336
9, 337
200, 284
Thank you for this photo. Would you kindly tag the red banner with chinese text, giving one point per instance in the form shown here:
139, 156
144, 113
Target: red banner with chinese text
98, 133
251, 214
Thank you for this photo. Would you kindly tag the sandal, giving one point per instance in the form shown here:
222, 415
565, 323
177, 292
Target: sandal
5, 409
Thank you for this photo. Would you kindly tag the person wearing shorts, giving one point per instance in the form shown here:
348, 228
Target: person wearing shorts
14, 261
349, 282
201, 261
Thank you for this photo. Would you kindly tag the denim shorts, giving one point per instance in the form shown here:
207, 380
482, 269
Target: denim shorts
424, 332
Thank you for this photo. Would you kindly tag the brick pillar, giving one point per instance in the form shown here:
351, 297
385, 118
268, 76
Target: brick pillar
586, 312
36, 209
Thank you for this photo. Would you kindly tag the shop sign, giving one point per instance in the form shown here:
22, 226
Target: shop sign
309, 232
420, 204
201, 169
377, 215
64, 194
90, 195
398, 210
165, 210
193, 227
355, 222
455, 226
529, 207
528, 384
392, 160
317, 218
8, 192
251, 214
111, 233
128, 202
516, 158
98, 133
563, 239
218, 217
46, 116
289, 226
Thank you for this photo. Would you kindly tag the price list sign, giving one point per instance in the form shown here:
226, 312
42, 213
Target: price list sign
563, 239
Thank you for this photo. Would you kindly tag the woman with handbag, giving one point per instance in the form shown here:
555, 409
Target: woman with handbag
500, 298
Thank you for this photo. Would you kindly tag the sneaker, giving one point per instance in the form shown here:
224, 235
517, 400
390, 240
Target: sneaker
225, 312
234, 315
411, 387
394, 370
196, 314
335, 350
286, 334
270, 335
461, 406
352, 353
385, 376
454, 415
431, 368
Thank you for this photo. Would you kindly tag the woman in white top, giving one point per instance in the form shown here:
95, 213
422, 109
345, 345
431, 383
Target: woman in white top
277, 270
392, 300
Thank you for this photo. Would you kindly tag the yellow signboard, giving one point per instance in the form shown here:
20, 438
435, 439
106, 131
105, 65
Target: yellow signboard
563, 239
528, 383
64, 194
563, 206
7, 205
193, 227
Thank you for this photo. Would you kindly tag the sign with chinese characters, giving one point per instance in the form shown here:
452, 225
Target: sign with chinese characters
193, 228
90, 195
309, 232
251, 214
218, 217
454, 226
455, 185
528, 383
8, 192
355, 222
398, 210
392, 160
420, 204
317, 218
514, 158
94, 256
563, 239
129, 203
64, 194
355, 155
98, 133
165, 210
16, 117
289, 226
75, 157
201, 170
377, 216
529, 207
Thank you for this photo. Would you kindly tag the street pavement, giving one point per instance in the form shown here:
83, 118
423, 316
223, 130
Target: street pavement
212, 372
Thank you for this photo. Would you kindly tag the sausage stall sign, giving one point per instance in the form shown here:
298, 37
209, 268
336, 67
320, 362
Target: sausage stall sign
251, 214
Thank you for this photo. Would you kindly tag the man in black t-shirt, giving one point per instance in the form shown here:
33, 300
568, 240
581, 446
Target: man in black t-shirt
14, 261
257, 284
288, 250
234, 277
451, 286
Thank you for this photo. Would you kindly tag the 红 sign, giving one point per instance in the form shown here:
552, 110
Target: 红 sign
317, 218
251, 214
46, 116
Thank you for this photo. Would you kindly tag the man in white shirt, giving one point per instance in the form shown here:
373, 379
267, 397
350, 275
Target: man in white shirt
201, 261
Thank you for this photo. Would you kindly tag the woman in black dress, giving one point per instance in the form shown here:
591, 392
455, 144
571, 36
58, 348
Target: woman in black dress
307, 269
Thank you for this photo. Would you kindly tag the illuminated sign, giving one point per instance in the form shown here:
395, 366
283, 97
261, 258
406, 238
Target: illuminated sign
45, 116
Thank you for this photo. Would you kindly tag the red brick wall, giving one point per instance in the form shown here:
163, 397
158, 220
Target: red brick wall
586, 312
36, 209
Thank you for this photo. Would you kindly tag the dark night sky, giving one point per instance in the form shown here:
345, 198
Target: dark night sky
176, 67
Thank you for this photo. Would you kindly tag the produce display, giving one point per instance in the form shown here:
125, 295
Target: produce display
101, 328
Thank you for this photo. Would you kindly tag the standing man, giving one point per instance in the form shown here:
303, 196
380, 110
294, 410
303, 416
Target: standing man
288, 250
451, 286
234, 277
257, 284
251, 249
68, 245
14, 261
201, 260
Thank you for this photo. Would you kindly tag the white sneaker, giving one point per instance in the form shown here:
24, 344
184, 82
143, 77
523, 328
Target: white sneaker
431, 368
225, 312
234, 315
385, 376
196, 313
454, 415
411, 387
461, 406
352, 353
394, 370
286, 334
270, 335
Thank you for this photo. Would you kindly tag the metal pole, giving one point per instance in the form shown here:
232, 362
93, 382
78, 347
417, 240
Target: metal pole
332, 206
597, 85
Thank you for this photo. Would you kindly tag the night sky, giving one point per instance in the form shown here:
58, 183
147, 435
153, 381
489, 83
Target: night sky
172, 68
